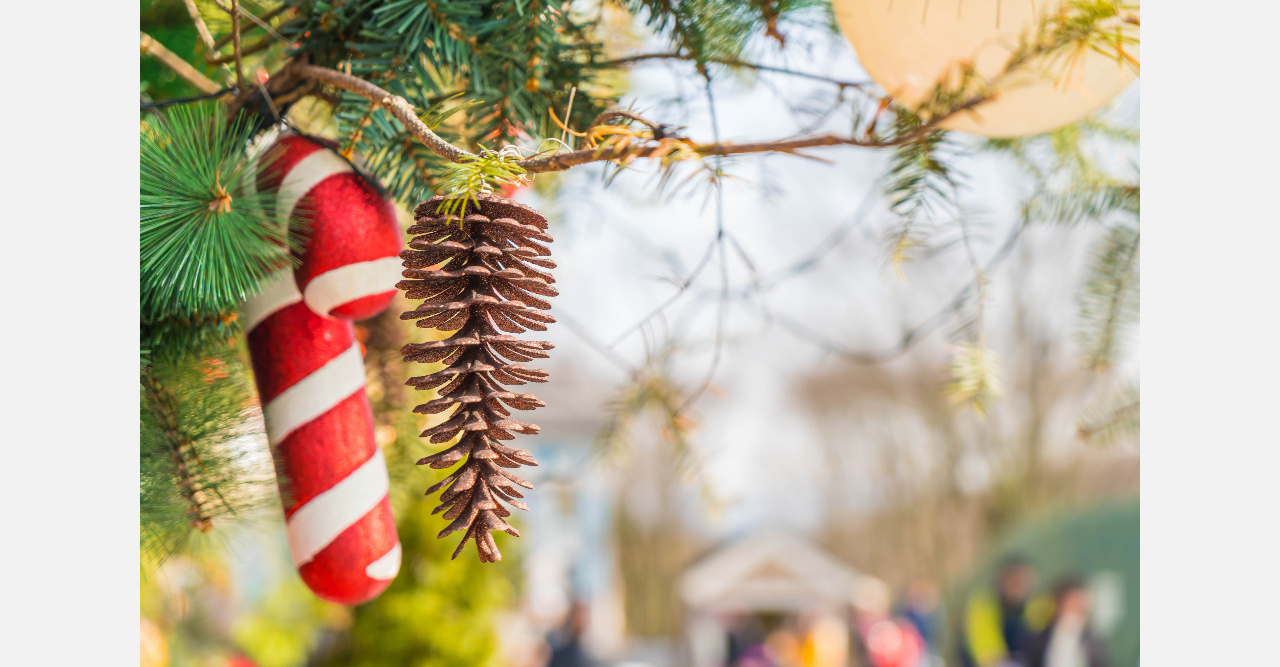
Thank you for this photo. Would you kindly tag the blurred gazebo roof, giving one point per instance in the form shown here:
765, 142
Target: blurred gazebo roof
772, 572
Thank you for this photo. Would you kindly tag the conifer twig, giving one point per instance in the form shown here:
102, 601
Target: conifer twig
180, 448
1116, 304
1086, 431
182, 68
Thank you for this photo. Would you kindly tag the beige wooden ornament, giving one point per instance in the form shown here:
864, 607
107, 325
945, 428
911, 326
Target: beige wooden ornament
909, 46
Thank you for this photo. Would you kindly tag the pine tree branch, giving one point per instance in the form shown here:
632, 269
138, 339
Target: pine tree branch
182, 68
1087, 431
180, 449
394, 104
1115, 306
732, 62
402, 111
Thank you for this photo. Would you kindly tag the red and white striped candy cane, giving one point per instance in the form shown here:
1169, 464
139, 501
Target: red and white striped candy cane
351, 262
333, 477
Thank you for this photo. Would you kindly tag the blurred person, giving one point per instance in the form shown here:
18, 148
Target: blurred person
783, 647
1069, 641
921, 607
826, 643
566, 643
756, 655
884, 641
746, 642
999, 626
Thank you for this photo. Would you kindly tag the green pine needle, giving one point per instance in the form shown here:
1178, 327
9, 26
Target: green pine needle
1109, 302
923, 187
205, 243
1112, 417
465, 179
975, 378
201, 466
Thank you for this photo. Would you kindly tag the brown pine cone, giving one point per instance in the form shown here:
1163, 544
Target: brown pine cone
482, 287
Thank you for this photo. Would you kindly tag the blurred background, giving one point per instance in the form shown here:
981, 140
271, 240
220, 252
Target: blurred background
776, 432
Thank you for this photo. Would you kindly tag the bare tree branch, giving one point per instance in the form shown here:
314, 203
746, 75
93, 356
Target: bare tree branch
235, 41
729, 62
398, 107
201, 28
181, 67
394, 104
260, 45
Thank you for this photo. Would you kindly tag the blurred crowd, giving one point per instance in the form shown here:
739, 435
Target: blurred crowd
1002, 624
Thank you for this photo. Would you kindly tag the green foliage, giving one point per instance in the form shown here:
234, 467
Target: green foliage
517, 57
1085, 201
402, 163
204, 242
720, 30
975, 377
1112, 417
1109, 301
196, 468
168, 22
467, 178
1071, 187
437, 612
288, 626
922, 185
651, 394
179, 337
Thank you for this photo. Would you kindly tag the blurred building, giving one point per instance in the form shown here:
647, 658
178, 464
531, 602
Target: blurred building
770, 584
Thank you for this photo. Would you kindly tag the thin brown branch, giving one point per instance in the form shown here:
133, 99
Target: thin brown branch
606, 116
182, 68
611, 114
260, 45
235, 40
562, 161
394, 104
732, 62
201, 28
398, 107
263, 23
222, 41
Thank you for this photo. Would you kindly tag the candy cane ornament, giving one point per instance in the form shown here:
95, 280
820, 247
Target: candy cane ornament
333, 477
350, 263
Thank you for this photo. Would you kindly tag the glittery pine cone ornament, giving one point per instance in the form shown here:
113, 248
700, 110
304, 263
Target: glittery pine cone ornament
477, 278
